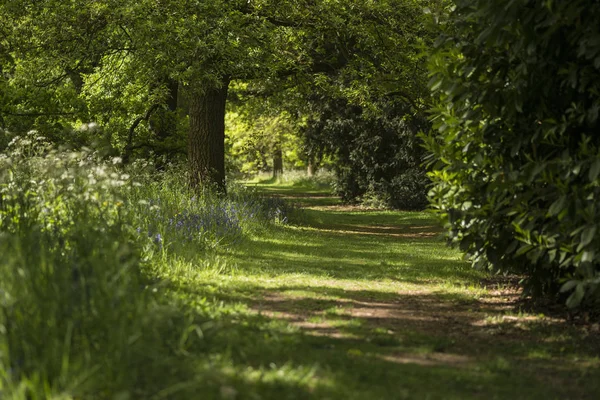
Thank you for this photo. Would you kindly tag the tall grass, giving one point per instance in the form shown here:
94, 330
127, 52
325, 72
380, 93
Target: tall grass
79, 240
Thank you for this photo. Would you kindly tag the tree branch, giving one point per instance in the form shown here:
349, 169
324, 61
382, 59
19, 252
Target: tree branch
129, 146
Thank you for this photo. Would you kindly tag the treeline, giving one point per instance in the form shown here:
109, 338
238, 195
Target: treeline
159, 77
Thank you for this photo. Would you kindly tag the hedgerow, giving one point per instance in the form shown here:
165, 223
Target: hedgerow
515, 146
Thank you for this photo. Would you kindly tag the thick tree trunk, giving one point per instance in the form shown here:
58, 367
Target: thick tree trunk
206, 141
277, 162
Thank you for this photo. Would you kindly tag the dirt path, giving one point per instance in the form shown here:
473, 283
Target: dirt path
422, 316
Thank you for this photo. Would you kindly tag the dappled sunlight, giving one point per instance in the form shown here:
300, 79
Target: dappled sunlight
336, 305
343, 246
391, 332
380, 231
429, 360
359, 291
362, 257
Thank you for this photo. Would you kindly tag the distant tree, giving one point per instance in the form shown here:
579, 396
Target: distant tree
262, 142
368, 114
516, 149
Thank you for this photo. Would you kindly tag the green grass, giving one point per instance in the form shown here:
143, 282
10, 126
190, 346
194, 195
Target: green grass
339, 303
363, 304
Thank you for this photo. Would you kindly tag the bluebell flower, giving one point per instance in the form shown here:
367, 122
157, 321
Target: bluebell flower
158, 240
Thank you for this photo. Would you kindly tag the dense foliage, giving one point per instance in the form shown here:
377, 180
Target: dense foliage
153, 74
377, 156
516, 148
109, 226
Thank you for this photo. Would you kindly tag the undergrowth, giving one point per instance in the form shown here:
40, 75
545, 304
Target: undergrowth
81, 311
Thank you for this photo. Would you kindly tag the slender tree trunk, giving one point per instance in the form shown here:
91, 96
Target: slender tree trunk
312, 167
164, 124
206, 141
277, 162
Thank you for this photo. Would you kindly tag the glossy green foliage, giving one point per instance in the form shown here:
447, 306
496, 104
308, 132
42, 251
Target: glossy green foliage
377, 157
515, 147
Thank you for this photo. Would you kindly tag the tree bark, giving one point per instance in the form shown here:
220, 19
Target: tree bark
312, 167
277, 162
206, 140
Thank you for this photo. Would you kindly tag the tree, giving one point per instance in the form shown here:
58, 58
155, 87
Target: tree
368, 113
70, 49
516, 150
262, 141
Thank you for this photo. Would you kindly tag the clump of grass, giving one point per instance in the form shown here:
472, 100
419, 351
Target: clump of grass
72, 296
170, 214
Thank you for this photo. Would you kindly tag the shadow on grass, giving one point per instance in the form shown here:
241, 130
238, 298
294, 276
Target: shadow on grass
296, 341
360, 345
412, 258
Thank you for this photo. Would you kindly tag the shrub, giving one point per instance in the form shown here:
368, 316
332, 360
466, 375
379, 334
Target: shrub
377, 155
516, 150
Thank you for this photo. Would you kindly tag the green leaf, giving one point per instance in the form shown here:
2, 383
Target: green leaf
435, 83
557, 206
568, 286
594, 170
524, 249
588, 235
519, 104
588, 256
576, 297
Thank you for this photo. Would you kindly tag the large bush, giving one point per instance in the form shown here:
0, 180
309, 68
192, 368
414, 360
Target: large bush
377, 155
516, 140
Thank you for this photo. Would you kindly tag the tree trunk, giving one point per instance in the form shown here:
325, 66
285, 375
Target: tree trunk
277, 162
312, 167
164, 124
206, 141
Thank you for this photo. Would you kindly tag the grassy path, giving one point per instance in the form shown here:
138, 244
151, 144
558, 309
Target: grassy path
350, 304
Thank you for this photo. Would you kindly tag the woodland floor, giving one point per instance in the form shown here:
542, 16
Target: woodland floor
347, 303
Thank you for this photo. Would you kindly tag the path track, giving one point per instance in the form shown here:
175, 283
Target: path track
387, 311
